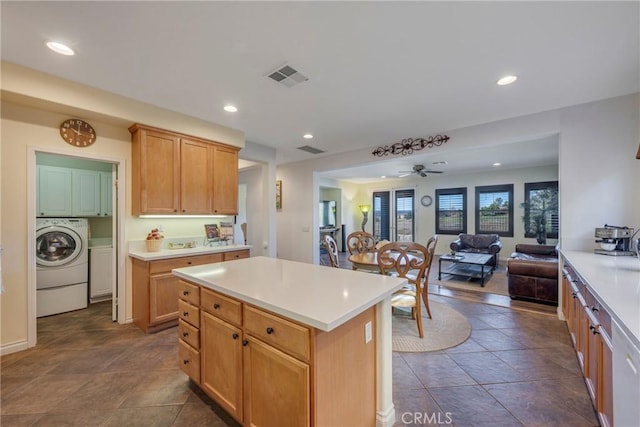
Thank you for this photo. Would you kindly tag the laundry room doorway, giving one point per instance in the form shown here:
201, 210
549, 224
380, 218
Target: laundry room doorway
70, 191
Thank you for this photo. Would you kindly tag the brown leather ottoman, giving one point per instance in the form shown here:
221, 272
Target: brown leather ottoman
532, 273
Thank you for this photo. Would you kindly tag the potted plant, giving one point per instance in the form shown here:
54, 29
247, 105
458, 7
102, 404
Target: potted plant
537, 213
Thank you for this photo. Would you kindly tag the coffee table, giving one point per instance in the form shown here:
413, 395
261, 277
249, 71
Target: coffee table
474, 266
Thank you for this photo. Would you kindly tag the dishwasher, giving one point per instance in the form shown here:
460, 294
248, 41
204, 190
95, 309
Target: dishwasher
626, 379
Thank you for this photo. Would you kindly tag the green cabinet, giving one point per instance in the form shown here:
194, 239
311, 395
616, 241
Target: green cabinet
63, 192
54, 191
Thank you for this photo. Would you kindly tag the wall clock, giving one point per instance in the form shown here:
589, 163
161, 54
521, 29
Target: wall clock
426, 201
77, 132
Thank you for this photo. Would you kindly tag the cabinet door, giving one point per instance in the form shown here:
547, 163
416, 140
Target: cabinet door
605, 380
159, 173
195, 177
225, 181
221, 363
106, 188
86, 192
54, 191
276, 387
163, 298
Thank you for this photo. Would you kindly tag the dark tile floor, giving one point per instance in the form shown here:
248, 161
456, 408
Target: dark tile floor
517, 368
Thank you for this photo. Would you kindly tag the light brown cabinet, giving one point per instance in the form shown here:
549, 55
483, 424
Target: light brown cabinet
589, 324
174, 174
155, 304
266, 370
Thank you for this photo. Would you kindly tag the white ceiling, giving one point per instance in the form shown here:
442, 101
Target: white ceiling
378, 71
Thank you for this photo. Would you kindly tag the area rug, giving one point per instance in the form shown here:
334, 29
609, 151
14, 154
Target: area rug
448, 328
495, 283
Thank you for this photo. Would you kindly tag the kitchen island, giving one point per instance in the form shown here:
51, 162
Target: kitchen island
278, 342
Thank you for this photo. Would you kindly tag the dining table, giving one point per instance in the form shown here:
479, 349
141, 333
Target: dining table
368, 261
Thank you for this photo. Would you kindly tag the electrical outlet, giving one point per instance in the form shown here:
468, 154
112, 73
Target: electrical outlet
367, 332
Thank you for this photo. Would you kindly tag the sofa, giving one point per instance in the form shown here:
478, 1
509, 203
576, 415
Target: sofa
532, 273
480, 244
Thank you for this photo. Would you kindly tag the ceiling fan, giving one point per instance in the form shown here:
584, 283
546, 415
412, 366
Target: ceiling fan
417, 170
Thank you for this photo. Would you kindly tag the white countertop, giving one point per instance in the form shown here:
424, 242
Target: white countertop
138, 250
318, 296
615, 281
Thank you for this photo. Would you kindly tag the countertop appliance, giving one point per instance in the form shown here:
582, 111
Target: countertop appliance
62, 265
614, 240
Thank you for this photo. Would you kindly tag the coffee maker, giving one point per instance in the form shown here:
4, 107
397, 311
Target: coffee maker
614, 240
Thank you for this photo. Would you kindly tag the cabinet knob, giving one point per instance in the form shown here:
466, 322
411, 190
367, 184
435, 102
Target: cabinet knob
185, 361
235, 336
189, 262
269, 331
185, 293
216, 306
245, 343
175, 210
98, 213
185, 313
184, 210
42, 213
185, 334
594, 309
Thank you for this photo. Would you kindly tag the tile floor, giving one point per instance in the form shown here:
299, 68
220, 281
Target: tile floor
517, 368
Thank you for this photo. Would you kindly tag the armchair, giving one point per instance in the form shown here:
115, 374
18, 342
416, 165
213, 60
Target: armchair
479, 244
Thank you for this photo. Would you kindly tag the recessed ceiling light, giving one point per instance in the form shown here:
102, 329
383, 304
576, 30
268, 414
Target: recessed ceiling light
507, 80
60, 48
383, 176
307, 136
497, 164
230, 108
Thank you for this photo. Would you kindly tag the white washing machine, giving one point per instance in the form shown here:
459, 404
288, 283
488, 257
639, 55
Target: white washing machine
62, 265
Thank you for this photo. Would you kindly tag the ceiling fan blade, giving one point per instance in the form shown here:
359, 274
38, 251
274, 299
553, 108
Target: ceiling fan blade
404, 174
432, 171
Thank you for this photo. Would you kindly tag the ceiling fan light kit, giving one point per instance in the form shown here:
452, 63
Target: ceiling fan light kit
409, 145
417, 170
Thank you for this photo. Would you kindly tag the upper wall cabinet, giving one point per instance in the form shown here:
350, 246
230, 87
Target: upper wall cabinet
175, 174
64, 192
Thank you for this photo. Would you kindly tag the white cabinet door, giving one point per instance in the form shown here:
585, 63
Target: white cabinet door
106, 185
86, 193
100, 273
54, 191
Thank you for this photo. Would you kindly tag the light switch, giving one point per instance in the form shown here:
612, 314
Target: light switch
367, 332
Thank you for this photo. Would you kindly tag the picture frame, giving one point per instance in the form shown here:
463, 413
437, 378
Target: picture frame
279, 194
211, 231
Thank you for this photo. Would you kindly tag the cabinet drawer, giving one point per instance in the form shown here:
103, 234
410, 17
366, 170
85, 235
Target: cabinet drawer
189, 333
189, 360
221, 306
189, 292
228, 256
166, 265
189, 313
281, 333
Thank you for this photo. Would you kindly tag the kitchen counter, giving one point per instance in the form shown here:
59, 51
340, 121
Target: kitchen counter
615, 281
137, 250
327, 299
317, 296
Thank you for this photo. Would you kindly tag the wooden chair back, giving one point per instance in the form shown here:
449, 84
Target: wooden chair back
332, 249
360, 242
409, 260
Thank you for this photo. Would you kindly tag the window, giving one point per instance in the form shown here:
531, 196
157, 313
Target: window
393, 215
451, 211
494, 210
541, 208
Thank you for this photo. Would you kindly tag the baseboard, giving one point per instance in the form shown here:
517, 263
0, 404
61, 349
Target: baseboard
13, 347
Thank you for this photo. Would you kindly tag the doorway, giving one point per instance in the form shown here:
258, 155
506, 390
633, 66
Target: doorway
394, 215
106, 226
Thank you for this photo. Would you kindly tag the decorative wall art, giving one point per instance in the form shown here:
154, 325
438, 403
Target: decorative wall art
278, 194
409, 145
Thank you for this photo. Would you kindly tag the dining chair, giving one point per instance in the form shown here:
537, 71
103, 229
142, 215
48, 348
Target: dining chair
360, 241
407, 260
431, 248
332, 249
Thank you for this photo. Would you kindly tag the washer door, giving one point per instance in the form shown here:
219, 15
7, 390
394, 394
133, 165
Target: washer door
57, 246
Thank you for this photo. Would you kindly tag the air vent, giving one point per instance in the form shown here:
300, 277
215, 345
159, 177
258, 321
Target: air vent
311, 150
287, 76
